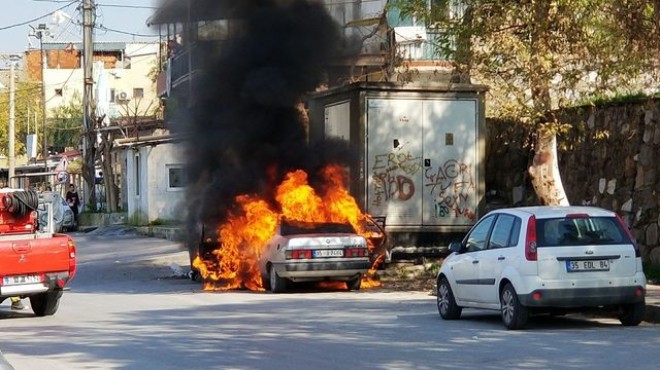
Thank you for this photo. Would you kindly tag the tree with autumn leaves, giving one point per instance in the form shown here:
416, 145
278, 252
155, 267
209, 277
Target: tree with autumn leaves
27, 114
541, 55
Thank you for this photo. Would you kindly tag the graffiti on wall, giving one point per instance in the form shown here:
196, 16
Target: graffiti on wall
452, 188
392, 175
448, 188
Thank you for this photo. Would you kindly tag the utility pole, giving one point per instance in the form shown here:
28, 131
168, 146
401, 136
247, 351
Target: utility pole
13, 59
40, 32
43, 102
89, 140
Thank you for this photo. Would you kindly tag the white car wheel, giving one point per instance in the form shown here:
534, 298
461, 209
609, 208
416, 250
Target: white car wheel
514, 314
447, 306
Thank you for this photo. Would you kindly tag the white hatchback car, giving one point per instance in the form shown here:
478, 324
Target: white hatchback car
544, 259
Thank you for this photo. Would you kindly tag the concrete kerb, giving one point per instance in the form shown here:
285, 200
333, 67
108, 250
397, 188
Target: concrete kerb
171, 233
652, 304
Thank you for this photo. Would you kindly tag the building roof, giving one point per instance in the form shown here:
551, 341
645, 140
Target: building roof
98, 45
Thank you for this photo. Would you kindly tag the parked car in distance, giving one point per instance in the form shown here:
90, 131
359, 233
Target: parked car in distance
305, 251
63, 218
544, 259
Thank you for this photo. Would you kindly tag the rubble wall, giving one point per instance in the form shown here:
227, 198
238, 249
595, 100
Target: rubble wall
610, 158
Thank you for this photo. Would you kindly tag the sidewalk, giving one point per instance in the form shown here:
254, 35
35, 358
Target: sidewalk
652, 304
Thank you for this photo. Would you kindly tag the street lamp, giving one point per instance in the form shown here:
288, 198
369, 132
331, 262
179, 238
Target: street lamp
40, 32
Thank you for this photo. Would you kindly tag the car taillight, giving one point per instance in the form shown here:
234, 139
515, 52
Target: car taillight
299, 254
72, 258
356, 252
623, 225
530, 240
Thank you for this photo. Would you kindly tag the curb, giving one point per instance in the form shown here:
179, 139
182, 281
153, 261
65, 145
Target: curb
171, 233
652, 314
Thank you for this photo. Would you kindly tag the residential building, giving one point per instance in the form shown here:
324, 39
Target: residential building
125, 94
128, 66
391, 48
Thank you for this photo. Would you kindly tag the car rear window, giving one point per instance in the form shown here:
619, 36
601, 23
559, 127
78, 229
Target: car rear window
580, 231
297, 228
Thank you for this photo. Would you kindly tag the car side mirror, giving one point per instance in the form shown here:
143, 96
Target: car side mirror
455, 247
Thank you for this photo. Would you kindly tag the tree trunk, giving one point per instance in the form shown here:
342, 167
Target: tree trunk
544, 171
111, 191
88, 171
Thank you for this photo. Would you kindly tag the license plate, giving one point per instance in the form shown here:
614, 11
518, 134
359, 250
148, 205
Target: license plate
591, 265
328, 253
20, 279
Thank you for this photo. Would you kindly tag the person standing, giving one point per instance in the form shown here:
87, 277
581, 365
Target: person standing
74, 201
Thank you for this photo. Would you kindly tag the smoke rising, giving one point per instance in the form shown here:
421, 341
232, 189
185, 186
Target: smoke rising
244, 128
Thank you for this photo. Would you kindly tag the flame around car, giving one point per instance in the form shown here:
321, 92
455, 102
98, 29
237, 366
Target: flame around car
243, 237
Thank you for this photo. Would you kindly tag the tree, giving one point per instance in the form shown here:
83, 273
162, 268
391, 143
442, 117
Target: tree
540, 55
27, 113
66, 124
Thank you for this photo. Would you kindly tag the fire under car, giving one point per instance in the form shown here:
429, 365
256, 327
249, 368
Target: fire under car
304, 252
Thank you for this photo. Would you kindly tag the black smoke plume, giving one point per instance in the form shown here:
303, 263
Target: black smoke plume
243, 126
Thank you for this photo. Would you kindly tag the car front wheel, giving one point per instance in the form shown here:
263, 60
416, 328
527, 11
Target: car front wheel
632, 314
277, 284
447, 306
514, 314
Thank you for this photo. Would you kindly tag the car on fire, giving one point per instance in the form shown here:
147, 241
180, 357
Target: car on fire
309, 251
544, 259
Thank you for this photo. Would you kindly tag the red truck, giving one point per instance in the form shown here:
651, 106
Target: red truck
35, 263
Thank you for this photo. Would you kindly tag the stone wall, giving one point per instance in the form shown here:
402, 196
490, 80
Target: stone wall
609, 158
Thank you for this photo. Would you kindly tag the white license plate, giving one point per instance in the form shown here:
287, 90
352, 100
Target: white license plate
328, 253
591, 265
21, 279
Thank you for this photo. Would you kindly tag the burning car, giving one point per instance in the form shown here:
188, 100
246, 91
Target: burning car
311, 251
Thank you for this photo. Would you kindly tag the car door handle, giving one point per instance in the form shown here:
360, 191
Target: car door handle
475, 261
501, 258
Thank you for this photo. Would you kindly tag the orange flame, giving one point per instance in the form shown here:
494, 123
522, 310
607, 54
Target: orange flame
246, 232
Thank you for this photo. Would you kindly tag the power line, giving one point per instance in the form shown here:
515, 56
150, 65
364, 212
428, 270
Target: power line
37, 18
128, 6
104, 28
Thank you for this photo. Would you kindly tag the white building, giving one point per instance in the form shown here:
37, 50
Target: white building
129, 66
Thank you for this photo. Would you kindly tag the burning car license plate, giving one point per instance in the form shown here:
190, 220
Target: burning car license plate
320, 253
20, 279
592, 265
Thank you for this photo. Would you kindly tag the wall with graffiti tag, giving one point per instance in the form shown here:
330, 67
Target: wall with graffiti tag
451, 185
392, 175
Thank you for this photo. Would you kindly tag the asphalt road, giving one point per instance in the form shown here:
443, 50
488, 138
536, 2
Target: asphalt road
129, 308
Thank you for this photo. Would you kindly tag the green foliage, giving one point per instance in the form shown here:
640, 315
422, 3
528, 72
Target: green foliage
599, 100
542, 55
161, 222
66, 124
27, 113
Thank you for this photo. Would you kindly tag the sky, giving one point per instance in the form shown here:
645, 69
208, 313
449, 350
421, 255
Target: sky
117, 20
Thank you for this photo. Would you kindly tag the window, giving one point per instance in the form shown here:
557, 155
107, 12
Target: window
112, 95
176, 177
500, 238
580, 231
138, 92
476, 240
58, 92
